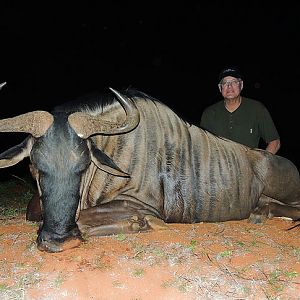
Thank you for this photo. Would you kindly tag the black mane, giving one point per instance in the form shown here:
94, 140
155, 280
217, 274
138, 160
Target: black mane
96, 99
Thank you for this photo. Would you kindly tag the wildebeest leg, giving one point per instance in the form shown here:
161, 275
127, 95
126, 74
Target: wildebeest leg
281, 180
33, 211
118, 217
269, 209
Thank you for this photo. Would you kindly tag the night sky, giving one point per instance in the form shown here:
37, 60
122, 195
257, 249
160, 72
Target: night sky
52, 53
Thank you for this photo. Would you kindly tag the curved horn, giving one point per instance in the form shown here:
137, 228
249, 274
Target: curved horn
35, 123
2, 85
86, 125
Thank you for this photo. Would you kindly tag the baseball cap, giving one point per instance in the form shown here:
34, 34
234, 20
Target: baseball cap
231, 71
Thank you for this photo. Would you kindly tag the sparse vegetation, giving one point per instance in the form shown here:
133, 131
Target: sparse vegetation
121, 237
231, 260
138, 272
59, 280
15, 195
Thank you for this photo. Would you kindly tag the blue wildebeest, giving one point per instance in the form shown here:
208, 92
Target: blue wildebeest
130, 164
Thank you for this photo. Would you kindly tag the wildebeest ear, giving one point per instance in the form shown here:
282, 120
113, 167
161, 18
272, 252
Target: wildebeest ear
105, 163
17, 153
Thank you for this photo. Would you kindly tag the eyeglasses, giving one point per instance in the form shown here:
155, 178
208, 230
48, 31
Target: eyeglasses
233, 83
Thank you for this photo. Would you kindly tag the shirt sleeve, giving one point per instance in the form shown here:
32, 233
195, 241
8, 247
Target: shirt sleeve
205, 122
268, 129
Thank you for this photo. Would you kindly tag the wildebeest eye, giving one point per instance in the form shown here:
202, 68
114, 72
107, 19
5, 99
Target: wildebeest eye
82, 160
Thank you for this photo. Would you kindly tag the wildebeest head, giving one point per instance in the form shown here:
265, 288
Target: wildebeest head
60, 151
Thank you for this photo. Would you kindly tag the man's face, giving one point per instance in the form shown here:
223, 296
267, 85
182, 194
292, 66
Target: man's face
230, 87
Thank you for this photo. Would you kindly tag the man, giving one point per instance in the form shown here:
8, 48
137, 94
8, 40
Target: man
240, 119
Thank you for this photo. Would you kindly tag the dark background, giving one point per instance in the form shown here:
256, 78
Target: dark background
173, 51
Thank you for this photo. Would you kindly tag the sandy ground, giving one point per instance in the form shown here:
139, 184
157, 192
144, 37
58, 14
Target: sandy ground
230, 260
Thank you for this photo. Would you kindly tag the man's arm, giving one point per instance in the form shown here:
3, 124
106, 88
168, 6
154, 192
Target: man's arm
274, 146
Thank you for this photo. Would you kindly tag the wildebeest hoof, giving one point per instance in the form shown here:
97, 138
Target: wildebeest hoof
257, 219
136, 223
146, 223
54, 247
156, 223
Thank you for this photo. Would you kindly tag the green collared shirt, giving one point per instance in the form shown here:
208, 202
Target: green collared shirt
246, 125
